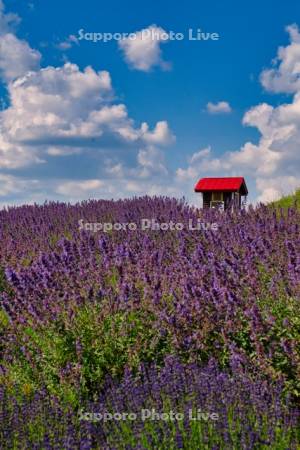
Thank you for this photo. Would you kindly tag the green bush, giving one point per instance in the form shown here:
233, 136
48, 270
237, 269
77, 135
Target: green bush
72, 355
288, 201
3, 282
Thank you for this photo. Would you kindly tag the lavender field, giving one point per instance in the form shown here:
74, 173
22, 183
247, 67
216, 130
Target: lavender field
100, 329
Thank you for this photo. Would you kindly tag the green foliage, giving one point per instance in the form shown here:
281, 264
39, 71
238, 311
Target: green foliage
283, 334
72, 355
3, 282
4, 321
281, 331
288, 201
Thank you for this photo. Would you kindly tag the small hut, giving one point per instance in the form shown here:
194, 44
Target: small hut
222, 193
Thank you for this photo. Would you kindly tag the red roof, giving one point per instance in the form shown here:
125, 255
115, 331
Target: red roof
232, 184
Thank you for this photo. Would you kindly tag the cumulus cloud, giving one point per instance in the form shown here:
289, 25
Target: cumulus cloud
195, 163
218, 108
64, 110
144, 52
284, 76
161, 134
16, 56
55, 103
151, 163
14, 156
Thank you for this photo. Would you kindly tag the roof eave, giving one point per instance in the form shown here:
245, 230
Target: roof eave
217, 190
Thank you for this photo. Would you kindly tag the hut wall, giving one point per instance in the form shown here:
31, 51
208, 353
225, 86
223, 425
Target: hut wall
227, 199
206, 199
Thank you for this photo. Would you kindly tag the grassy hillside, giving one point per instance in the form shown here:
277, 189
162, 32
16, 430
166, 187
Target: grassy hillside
289, 200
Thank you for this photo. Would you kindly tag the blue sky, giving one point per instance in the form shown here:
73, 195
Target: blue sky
70, 134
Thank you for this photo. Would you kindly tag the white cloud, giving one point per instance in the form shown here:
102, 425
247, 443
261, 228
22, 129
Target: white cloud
196, 162
60, 110
144, 52
63, 151
77, 188
16, 57
55, 103
201, 154
14, 185
186, 174
273, 188
151, 163
7, 20
161, 135
14, 156
285, 75
115, 170
218, 108
68, 43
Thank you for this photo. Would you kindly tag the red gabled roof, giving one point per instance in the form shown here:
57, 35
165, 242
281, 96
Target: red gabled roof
232, 184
